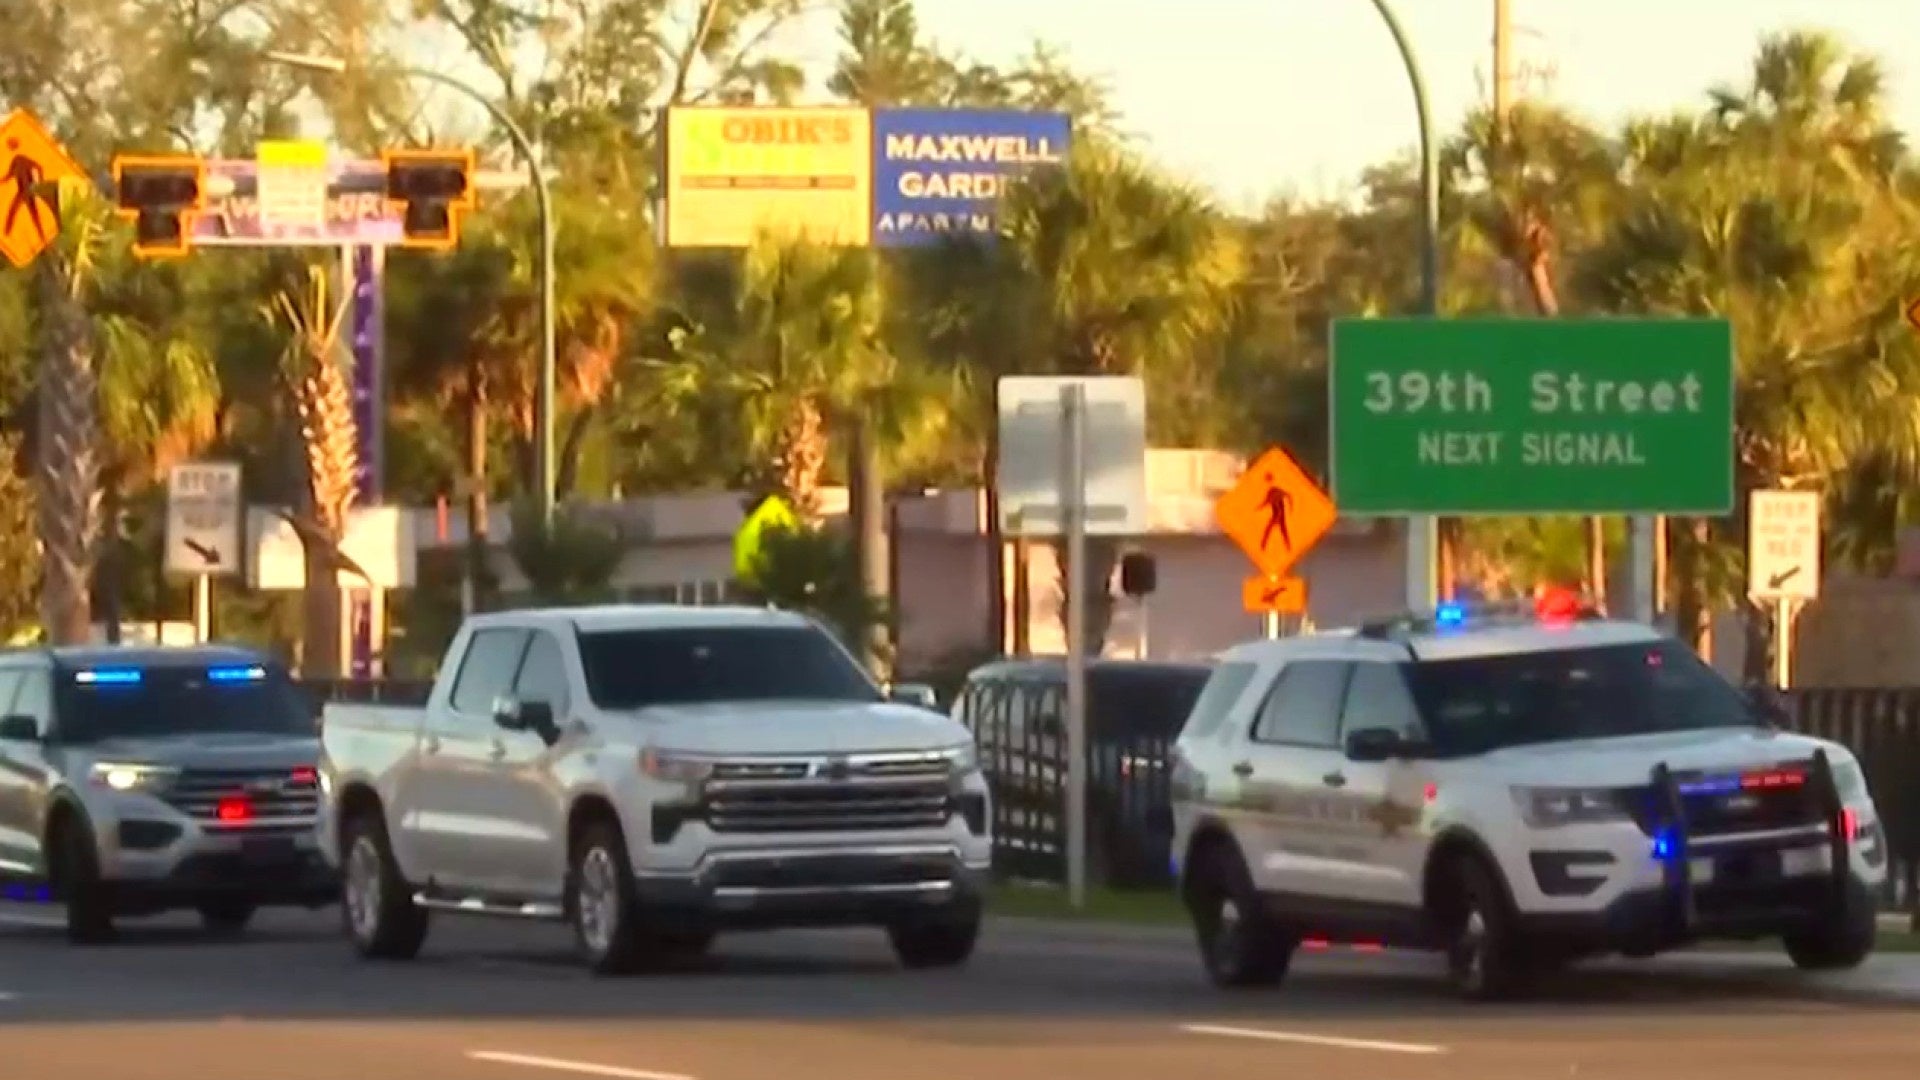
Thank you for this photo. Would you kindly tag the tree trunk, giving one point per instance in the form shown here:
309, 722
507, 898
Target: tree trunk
477, 577
867, 513
68, 467
996, 627
572, 444
1692, 613
321, 654
803, 459
1103, 555
1597, 561
111, 575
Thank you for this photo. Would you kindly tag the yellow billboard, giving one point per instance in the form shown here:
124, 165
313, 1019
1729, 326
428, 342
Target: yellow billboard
734, 171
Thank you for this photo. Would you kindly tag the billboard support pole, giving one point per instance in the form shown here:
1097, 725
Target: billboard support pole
1073, 504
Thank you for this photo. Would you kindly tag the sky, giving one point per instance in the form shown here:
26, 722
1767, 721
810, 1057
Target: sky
1257, 97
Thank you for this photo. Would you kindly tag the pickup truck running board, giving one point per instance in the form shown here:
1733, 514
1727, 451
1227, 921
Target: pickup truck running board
474, 905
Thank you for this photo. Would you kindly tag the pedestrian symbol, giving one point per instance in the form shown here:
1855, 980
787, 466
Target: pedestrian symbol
30, 172
1278, 504
1276, 513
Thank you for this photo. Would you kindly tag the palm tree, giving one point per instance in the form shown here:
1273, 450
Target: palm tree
1772, 210
799, 349
315, 370
68, 453
1104, 267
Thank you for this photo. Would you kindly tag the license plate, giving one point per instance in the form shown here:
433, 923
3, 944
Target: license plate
1747, 868
267, 848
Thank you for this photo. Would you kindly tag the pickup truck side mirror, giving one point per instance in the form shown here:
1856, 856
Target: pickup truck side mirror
19, 728
513, 714
918, 694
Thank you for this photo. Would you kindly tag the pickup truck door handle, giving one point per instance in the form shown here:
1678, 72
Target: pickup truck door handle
1243, 768
1334, 779
432, 744
497, 750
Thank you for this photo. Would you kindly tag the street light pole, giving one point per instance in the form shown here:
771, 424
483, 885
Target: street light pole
543, 201
1423, 539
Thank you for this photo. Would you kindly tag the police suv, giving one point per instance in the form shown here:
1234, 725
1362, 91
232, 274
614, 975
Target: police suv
1516, 790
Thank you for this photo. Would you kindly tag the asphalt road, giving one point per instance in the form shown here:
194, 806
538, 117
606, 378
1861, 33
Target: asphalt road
494, 1001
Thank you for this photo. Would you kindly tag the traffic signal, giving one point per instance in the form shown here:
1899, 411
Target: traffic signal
163, 195
432, 188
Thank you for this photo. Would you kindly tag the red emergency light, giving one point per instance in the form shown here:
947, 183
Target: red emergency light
233, 810
1556, 605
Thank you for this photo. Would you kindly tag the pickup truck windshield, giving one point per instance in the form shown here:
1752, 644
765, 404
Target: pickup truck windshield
1484, 703
179, 701
634, 669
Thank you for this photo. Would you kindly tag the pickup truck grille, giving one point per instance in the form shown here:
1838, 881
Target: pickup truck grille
270, 795
818, 794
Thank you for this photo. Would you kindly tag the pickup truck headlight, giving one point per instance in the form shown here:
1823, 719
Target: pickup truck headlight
1547, 807
963, 760
124, 776
672, 768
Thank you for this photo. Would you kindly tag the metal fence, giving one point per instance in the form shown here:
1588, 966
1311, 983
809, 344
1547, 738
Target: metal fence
1023, 754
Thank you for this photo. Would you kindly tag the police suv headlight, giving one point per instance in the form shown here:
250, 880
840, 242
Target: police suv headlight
128, 776
1548, 807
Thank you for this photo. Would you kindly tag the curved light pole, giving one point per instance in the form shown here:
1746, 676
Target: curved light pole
543, 199
1422, 534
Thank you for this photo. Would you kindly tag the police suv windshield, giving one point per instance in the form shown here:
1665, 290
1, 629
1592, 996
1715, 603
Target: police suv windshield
130, 703
635, 669
1478, 704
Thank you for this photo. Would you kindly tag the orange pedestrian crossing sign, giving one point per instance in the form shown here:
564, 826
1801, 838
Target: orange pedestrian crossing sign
32, 164
1275, 512
1262, 595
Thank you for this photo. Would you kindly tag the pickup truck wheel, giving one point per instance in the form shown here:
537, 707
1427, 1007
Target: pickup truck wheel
89, 909
227, 915
606, 918
937, 941
376, 904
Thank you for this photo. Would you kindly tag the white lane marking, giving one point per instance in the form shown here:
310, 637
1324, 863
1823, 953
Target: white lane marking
1305, 1039
499, 1057
38, 922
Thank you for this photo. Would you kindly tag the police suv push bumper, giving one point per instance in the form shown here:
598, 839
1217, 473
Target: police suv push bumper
1738, 854
168, 836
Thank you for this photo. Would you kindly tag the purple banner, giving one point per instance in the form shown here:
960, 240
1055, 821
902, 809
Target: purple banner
365, 327
359, 216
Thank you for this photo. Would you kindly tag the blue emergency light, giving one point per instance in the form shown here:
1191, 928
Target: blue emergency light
253, 673
107, 677
1449, 615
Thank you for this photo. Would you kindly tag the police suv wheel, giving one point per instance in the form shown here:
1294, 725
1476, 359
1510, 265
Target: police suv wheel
89, 908
943, 940
376, 903
606, 917
1841, 943
1240, 945
1486, 958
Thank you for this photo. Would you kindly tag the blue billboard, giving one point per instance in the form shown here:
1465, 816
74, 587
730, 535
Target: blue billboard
941, 171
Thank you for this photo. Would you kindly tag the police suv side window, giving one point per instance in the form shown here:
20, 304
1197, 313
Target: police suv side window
1377, 699
487, 670
1304, 707
35, 698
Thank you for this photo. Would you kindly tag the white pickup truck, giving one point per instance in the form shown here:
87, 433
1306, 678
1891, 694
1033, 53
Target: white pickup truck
655, 775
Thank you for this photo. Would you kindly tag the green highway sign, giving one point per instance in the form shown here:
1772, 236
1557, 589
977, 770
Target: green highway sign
1532, 416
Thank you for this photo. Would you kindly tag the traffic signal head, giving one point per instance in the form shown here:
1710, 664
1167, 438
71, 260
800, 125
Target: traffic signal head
431, 187
162, 195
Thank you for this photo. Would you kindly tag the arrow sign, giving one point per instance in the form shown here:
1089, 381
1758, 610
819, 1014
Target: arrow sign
1784, 576
205, 551
1783, 545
